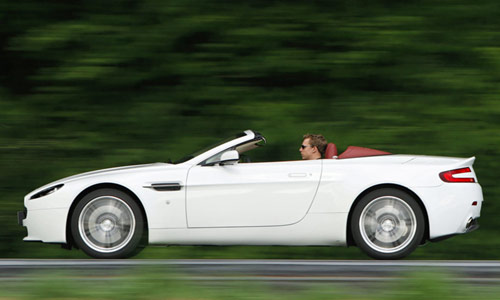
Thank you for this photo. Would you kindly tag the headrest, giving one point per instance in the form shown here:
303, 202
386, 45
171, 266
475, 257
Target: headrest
331, 151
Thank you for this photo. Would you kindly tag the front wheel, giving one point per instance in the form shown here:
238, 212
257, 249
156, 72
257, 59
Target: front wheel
387, 224
108, 223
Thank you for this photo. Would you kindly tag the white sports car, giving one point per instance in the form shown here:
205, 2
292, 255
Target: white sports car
386, 204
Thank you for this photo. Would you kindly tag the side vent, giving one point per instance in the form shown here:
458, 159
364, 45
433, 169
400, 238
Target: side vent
165, 186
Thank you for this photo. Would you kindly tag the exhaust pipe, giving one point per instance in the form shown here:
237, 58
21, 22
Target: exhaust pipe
472, 224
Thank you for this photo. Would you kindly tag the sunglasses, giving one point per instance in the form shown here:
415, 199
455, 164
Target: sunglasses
304, 146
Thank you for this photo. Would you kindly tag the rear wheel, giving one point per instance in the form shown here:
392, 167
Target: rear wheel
108, 223
387, 224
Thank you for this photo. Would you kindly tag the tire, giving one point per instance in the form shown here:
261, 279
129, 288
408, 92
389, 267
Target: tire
108, 223
387, 224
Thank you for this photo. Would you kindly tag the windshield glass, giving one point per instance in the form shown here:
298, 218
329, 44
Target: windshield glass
188, 157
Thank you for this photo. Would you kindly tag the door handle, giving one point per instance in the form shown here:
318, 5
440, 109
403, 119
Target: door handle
297, 174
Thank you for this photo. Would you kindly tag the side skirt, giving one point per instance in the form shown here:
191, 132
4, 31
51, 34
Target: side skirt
316, 229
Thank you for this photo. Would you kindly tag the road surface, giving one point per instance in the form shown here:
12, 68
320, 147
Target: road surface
283, 271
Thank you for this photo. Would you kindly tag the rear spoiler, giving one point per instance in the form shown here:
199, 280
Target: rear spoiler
467, 162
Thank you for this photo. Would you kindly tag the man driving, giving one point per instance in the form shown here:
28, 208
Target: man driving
313, 146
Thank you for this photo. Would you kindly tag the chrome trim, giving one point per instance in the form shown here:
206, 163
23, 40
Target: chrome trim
164, 186
472, 225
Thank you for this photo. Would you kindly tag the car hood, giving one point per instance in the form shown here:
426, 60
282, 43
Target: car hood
117, 170
124, 169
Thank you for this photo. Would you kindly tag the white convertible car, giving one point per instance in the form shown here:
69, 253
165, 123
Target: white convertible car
386, 204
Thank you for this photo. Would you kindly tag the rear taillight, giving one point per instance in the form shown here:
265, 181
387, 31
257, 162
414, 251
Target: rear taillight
457, 175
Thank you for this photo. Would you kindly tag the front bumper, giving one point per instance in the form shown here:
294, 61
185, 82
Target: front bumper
45, 217
21, 215
46, 225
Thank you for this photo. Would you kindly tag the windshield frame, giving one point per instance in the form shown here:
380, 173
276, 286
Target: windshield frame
207, 148
199, 156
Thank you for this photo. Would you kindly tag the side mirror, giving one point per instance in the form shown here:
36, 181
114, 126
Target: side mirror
229, 157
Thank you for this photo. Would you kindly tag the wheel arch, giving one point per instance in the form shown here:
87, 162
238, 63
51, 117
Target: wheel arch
108, 185
350, 240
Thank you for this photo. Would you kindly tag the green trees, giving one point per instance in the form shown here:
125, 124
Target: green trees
91, 85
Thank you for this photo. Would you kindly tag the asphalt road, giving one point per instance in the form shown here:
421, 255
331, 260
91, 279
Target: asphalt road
280, 271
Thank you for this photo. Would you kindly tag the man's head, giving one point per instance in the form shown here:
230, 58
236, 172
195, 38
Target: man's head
313, 146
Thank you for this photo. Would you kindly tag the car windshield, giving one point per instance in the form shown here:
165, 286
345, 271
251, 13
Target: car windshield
188, 157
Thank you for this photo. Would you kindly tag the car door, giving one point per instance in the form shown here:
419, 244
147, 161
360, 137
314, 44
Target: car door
251, 194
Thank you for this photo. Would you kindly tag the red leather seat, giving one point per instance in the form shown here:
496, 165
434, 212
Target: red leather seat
331, 151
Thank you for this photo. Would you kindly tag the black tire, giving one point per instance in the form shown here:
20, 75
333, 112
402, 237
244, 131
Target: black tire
108, 223
387, 224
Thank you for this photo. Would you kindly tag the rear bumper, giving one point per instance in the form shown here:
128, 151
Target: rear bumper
452, 208
470, 226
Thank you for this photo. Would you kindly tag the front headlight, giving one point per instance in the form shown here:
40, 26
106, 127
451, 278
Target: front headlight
47, 191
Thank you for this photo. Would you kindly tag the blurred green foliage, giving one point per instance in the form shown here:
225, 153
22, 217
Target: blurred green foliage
165, 284
89, 85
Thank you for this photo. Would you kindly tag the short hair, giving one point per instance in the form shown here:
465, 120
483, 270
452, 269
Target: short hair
318, 141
